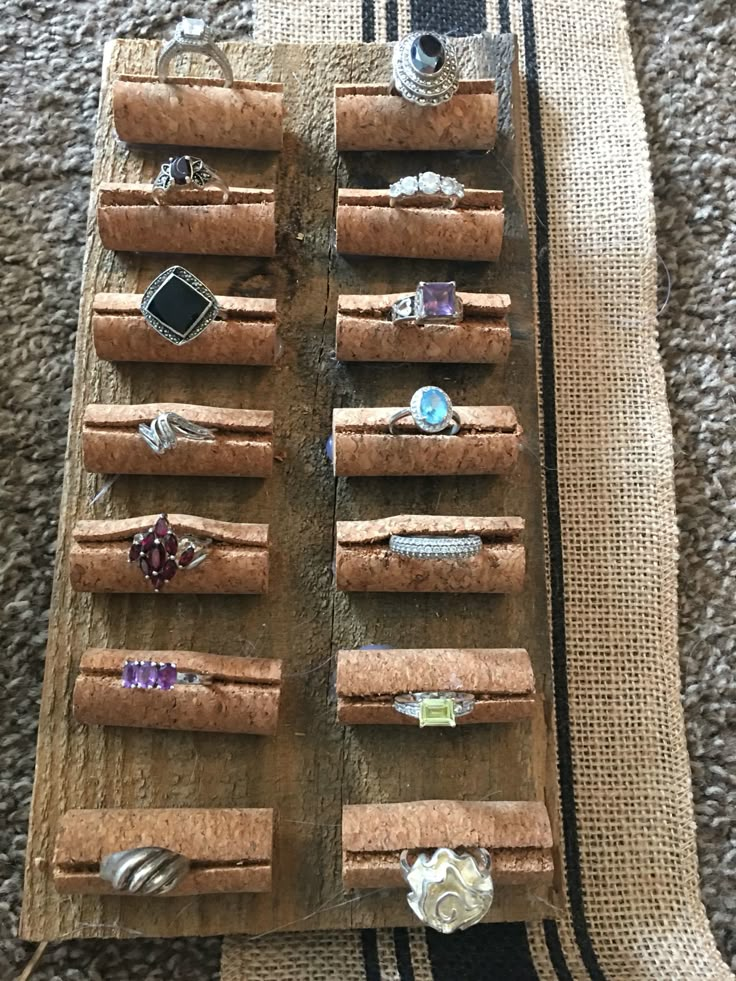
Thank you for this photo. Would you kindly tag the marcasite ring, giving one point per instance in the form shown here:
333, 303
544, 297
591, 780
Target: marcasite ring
160, 554
426, 185
161, 436
159, 674
178, 305
435, 708
431, 303
432, 412
449, 890
186, 171
147, 871
435, 546
425, 68
192, 35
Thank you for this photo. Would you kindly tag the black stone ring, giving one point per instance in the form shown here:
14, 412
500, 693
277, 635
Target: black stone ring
186, 171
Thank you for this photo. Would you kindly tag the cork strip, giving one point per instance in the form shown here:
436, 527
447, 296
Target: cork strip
364, 563
192, 221
488, 443
243, 697
237, 558
472, 231
244, 332
367, 118
198, 112
230, 848
365, 332
242, 445
516, 833
366, 682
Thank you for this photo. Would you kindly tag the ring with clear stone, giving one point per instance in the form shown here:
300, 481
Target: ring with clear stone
426, 185
435, 546
186, 171
431, 303
410, 704
432, 412
161, 435
425, 68
192, 35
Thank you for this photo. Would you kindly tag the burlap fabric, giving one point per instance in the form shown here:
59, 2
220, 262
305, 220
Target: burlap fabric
633, 909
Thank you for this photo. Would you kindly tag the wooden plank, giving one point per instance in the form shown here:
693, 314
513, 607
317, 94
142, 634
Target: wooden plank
313, 765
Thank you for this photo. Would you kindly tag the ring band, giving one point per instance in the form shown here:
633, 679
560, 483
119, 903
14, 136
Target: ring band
160, 554
426, 185
178, 306
425, 68
159, 674
449, 890
148, 871
432, 412
192, 35
161, 435
435, 546
431, 303
186, 171
435, 708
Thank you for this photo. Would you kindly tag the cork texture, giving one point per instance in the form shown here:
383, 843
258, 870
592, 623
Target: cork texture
472, 231
198, 112
192, 221
367, 118
362, 445
230, 848
241, 446
243, 697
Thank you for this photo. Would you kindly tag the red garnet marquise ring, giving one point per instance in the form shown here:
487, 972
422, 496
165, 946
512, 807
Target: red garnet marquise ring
160, 554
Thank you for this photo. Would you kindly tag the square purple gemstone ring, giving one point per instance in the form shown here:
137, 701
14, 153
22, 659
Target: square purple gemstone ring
432, 303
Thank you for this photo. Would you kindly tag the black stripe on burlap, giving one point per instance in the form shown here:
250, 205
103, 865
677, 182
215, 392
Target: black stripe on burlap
371, 964
402, 949
488, 952
448, 16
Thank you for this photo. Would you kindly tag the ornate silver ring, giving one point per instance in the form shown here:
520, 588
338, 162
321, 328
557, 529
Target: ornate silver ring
162, 434
431, 303
449, 890
432, 412
178, 305
149, 871
160, 554
426, 185
435, 546
159, 674
435, 708
425, 68
186, 171
192, 35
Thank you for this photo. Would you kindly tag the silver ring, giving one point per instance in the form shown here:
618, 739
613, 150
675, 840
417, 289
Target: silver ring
435, 546
186, 171
159, 674
161, 436
449, 890
160, 554
435, 708
149, 871
192, 35
426, 185
431, 303
178, 305
425, 68
432, 412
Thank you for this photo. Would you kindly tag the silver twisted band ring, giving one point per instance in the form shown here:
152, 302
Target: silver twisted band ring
148, 871
432, 412
425, 68
435, 708
161, 435
426, 185
186, 171
192, 35
435, 546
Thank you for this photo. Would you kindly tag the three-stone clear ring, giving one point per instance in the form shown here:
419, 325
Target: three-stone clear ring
435, 708
425, 68
432, 412
435, 546
163, 432
186, 171
426, 185
160, 554
431, 303
192, 35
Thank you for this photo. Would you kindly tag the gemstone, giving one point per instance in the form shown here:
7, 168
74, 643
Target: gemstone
186, 556
429, 182
166, 675
129, 674
169, 570
178, 305
330, 449
161, 528
408, 185
170, 543
192, 26
427, 54
431, 408
144, 565
437, 299
145, 674
436, 712
180, 169
135, 551
157, 582
156, 558
448, 185
147, 541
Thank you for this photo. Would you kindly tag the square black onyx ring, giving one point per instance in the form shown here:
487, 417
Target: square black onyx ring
178, 305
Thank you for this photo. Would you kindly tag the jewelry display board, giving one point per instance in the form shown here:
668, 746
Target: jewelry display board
313, 765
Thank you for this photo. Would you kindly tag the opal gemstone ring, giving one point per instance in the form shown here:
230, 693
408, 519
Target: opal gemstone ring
426, 185
192, 35
431, 303
432, 412
425, 68
435, 708
186, 171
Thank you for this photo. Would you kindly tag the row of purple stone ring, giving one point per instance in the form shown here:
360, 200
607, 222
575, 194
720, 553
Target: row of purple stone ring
160, 555
159, 674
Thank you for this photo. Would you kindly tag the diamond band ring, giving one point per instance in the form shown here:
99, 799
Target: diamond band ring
425, 68
435, 546
178, 305
431, 303
160, 554
162, 675
161, 435
426, 185
186, 171
148, 871
435, 708
449, 890
432, 412
192, 35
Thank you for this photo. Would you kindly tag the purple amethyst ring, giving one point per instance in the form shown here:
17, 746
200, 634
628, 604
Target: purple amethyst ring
160, 554
159, 674
431, 303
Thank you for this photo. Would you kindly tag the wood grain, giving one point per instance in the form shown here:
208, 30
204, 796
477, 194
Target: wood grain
312, 766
